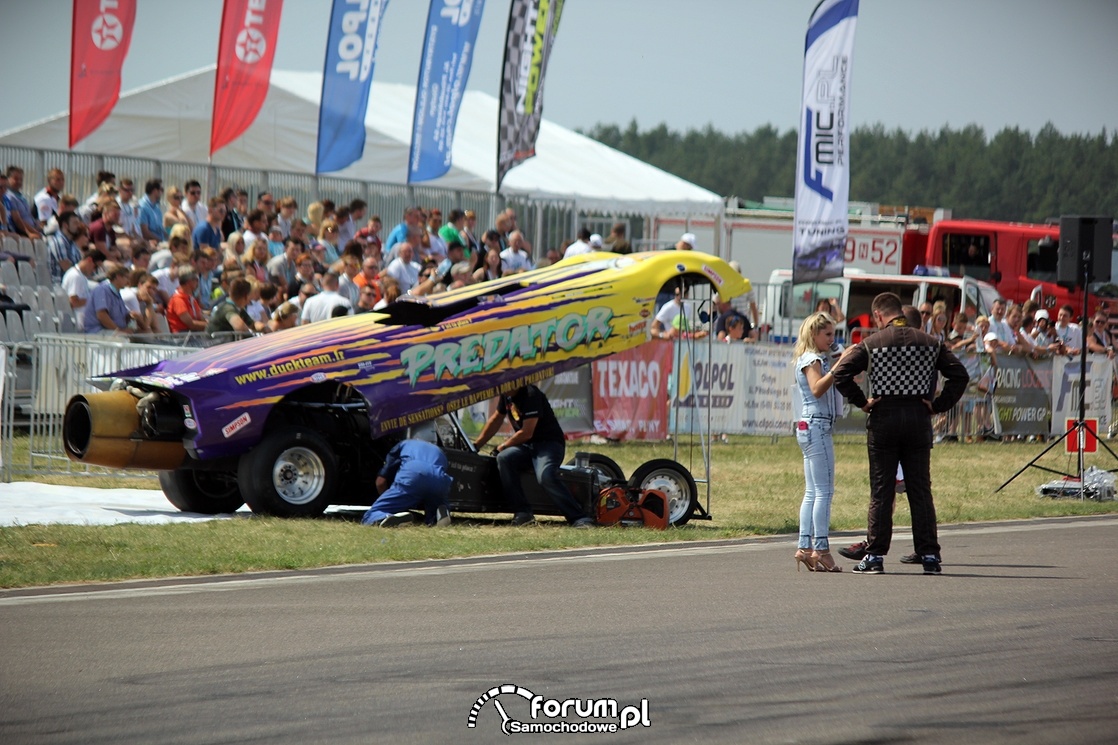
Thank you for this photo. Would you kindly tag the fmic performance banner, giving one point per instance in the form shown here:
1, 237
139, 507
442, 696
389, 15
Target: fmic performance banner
822, 158
533, 25
448, 52
1065, 392
249, 29
347, 75
102, 33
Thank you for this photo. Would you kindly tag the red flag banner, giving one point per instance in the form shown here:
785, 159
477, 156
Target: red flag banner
249, 29
631, 393
102, 33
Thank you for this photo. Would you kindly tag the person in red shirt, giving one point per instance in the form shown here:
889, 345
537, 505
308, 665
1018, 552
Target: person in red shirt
183, 311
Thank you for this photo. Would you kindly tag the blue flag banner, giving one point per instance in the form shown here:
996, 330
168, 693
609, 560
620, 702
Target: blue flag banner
346, 77
448, 52
823, 156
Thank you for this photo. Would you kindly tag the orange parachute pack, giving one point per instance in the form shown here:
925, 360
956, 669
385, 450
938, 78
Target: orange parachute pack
631, 506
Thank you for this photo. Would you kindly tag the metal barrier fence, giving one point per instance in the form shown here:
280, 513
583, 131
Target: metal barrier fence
41, 377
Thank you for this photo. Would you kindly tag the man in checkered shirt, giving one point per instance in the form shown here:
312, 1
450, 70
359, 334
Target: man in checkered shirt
902, 363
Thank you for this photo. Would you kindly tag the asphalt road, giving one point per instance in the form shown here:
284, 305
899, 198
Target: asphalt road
1015, 642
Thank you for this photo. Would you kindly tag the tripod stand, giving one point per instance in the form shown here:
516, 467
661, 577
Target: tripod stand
1081, 427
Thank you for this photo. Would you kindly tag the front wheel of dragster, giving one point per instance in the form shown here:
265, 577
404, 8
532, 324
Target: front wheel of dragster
674, 481
606, 467
292, 473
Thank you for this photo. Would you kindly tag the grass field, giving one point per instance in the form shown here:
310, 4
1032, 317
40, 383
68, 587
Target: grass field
756, 486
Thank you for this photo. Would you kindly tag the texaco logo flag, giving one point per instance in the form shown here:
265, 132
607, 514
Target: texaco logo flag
249, 29
102, 33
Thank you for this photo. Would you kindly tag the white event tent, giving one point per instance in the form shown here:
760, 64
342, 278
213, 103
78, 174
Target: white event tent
170, 121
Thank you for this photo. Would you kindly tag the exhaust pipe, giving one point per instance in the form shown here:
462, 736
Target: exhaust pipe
103, 429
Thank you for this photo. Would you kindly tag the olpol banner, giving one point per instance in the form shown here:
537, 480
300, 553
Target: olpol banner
102, 33
533, 25
249, 29
448, 52
347, 75
822, 159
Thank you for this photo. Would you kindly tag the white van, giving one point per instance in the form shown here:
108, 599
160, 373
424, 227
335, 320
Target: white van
787, 305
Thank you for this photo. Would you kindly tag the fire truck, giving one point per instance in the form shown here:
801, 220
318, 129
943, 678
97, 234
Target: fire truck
1018, 259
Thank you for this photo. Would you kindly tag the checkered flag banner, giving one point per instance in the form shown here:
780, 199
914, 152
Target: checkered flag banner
533, 25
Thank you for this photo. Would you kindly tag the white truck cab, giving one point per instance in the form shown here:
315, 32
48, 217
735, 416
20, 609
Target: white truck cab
787, 305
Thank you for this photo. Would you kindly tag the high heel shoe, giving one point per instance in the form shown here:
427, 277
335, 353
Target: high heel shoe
803, 556
823, 562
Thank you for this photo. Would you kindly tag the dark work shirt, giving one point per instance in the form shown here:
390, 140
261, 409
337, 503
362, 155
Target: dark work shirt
530, 403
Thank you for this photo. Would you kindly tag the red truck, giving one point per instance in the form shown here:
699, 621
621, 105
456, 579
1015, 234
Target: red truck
1017, 258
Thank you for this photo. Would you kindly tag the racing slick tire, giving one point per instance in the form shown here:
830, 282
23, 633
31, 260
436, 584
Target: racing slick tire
606, 467
204, 492
674, 481
292, 473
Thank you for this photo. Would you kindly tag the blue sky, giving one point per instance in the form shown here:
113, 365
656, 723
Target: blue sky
733, 64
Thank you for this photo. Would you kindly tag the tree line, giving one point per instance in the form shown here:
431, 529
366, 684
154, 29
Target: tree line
1014, 175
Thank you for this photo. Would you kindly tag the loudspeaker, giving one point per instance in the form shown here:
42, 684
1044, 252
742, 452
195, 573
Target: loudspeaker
1084, 239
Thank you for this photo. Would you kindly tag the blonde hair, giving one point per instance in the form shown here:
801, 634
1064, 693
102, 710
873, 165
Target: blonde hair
314, 215
180, 231
811, 326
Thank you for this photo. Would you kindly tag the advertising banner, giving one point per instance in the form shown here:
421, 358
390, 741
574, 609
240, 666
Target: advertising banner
631, 393
747, 386
1021, 395
347, 75
249, 29
533, 25
102, 33
448, 52
822, 158
1065, 392
570, 398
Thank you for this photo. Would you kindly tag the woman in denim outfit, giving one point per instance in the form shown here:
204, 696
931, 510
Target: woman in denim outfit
821, 404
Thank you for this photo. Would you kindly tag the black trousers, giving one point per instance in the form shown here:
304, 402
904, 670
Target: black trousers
900, 432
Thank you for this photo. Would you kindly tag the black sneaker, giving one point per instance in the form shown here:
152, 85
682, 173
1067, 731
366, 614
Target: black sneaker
931, 565
523, 518
912, 559
854, 552
442, 516
400, 518
870, 566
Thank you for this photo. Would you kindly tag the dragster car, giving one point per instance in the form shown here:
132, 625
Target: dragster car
295, 421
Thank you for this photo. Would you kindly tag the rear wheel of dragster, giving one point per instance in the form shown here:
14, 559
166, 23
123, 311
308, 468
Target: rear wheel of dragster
206, 492
291, 473
674, 481
606, 467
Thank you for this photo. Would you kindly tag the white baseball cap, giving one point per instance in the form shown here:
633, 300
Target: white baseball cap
1042, 313
596, 240
689, 239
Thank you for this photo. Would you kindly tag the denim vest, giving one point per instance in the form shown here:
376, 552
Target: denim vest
826, 407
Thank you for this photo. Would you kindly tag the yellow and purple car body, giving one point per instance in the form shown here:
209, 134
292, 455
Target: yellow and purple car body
294, 421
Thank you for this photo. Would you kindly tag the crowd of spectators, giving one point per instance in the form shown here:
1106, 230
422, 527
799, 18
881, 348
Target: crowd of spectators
168, 260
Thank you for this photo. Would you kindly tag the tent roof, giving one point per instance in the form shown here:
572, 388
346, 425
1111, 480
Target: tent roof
170, 120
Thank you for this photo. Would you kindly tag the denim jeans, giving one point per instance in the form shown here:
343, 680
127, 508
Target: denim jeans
544, 458
819, 477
